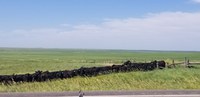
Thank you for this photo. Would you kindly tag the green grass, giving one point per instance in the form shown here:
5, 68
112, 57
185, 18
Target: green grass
29, 60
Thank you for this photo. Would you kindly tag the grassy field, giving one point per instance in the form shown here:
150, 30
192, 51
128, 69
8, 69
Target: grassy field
20, 61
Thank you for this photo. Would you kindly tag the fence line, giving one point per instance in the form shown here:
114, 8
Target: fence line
186, 62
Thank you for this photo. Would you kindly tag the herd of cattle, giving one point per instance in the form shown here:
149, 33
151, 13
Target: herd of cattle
40, 76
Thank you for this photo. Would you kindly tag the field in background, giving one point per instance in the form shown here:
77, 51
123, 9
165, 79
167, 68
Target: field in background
30, 60
20, 61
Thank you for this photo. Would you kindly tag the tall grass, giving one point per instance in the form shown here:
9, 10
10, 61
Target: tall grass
177, 78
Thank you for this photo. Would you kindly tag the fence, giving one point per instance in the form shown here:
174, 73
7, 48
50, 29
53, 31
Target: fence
187, 63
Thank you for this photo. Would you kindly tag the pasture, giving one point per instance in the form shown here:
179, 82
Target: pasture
20, 61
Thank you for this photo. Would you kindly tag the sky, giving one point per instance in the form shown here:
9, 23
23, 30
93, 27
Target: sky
101, 24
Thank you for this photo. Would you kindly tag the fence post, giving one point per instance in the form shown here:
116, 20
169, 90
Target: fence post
186, 63
173, 63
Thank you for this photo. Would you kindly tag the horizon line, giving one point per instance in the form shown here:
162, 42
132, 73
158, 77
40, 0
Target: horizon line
156, 50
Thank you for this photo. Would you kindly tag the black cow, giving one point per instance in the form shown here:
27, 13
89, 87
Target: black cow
161, 64
83, 71
116, 68
6, 79
41, 76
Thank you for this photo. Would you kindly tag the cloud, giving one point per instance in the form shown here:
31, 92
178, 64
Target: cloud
65, 25
161, 31
196, 1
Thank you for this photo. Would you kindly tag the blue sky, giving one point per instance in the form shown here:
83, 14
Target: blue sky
101, 24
